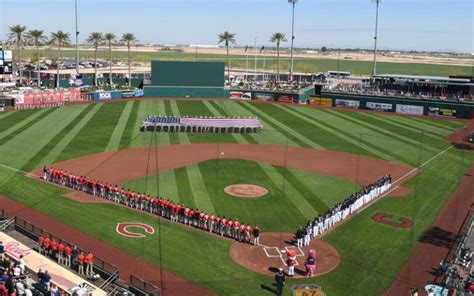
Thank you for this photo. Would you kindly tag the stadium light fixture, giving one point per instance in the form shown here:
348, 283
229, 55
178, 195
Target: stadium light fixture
377, 3
293, 3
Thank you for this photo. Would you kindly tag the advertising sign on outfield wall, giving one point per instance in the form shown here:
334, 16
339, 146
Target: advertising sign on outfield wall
321, 102
347, 104
379, 106
286, 98
435, 111
106, 95
410, 109
263, 96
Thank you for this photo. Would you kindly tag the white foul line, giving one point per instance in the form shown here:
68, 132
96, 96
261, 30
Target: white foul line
406, 175
17, 170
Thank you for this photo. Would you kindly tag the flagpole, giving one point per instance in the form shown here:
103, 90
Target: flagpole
246, 62
256, 51
263, 64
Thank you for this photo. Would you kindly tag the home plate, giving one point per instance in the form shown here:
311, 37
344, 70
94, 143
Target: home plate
283, 251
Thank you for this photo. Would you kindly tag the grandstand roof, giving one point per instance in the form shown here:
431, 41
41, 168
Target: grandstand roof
424, 78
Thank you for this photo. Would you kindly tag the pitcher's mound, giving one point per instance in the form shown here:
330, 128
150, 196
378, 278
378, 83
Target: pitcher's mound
246, 190
272, 254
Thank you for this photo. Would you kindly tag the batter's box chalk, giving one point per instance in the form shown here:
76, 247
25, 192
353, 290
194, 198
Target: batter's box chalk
299, 252
272, 252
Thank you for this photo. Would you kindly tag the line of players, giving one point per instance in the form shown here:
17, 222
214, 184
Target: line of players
228, 227
324, 222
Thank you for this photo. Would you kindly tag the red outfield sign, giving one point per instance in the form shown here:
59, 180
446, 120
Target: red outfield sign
124, 229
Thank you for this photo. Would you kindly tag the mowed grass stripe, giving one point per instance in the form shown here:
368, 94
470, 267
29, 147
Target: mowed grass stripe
95, 135
35, 161
17, 117
114, 142
302, 189
396, 129
54, 152
219, 110
267, 135
442, 124
181, 138
201, 196
277, 126
384, 129
197, 108
289, 192
357, 139
174, 139
427, 125
127, 134
16, 122
27, 124
185, 192
416, 128
237, 136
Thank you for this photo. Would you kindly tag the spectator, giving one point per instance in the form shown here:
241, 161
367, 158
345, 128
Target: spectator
40, 275
22, 264
20, 288
3, 289
5, 278
2, 250
46, 280
67, 256
80, 263
89, 260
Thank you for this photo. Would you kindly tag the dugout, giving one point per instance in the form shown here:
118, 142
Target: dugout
173, 79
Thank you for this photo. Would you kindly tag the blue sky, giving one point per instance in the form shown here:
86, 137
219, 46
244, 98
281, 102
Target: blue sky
404, 24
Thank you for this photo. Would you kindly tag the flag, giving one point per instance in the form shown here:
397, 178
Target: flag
246, 48
262, 49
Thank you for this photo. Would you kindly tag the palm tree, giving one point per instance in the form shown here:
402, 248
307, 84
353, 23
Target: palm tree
278, 38
16, 34
129, 39
227, 38
59, 38
95, 39
37, 38
110, 38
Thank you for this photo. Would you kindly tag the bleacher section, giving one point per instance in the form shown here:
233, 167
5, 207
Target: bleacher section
202, 124
61, 277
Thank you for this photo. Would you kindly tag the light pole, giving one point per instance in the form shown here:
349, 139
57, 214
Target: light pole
77, 42
377, 2
293, 3
256, 51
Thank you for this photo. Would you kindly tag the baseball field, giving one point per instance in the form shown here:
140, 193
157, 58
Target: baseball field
307, 158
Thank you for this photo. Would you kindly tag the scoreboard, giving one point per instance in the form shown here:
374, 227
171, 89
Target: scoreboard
6, 62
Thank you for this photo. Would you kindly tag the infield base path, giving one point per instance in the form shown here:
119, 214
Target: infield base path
118, 167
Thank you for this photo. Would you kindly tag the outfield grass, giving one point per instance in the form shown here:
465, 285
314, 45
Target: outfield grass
307, 65
291, 193
372, 253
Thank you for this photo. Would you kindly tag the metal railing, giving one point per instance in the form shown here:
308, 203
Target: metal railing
34, 232
143, 286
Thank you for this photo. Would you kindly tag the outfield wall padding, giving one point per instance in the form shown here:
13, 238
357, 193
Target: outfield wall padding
389, 104
184, 92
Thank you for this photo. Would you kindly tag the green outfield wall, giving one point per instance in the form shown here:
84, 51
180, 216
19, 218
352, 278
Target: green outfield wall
184, 92
401, 105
